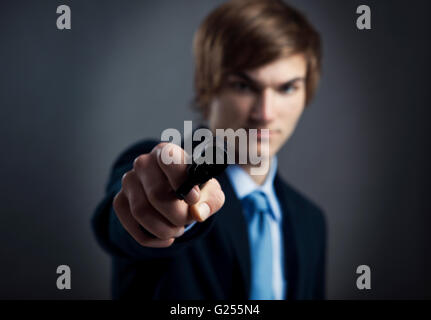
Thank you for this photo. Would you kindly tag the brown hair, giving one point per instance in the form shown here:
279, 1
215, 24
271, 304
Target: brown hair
246, 34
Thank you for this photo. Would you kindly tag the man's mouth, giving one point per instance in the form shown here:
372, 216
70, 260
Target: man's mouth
266, 133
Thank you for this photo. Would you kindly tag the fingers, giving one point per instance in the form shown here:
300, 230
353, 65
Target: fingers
159, 192
121, 208
144, 213
172, 161
211, 200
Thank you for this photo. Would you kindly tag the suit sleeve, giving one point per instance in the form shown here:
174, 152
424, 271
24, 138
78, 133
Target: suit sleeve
109, 232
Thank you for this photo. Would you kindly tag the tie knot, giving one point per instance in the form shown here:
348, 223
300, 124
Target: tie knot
256, 202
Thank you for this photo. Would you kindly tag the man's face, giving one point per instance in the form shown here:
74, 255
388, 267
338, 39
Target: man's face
270, 97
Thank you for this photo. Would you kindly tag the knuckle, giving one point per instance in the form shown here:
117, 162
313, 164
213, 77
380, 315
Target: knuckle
169, 153
161, 145
140, 162
125, 179
158, 149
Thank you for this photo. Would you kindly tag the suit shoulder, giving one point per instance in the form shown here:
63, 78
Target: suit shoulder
134, 150
124, 162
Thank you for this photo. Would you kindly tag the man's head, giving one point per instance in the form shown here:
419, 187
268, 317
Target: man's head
257, 66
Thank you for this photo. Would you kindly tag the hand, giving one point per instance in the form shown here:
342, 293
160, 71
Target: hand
147, 198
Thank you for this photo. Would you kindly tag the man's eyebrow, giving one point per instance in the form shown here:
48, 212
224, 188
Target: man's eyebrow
256, 84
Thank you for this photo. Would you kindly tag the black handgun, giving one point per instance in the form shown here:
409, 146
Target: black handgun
201, 170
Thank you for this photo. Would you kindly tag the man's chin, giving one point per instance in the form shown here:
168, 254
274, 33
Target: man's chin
262, 149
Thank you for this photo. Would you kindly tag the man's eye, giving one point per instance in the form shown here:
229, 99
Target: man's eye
289, 89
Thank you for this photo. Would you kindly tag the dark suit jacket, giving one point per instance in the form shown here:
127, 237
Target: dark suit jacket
211, 260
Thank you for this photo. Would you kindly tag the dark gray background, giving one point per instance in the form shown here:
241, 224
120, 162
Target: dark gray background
72, 100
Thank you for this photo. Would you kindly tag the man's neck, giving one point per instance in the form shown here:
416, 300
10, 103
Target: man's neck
258, 179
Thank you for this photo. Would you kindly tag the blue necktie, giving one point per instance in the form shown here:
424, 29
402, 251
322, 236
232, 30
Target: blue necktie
257, 215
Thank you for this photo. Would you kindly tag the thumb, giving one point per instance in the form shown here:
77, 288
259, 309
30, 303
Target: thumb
210, 201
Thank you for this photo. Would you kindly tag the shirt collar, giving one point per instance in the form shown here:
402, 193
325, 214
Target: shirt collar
243, 184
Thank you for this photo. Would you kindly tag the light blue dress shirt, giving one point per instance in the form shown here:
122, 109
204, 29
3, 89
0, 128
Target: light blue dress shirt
243, 185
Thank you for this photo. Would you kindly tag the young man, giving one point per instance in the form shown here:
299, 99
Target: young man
257, 67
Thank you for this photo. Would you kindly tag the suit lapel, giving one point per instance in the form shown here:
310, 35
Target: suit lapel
232, 218
289, 238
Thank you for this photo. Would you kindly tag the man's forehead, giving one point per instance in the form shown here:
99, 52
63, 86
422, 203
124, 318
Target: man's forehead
277, 72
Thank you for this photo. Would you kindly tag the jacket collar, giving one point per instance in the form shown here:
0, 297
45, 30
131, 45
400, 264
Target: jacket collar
290, 237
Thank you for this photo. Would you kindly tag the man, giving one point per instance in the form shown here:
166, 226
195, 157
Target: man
240, 236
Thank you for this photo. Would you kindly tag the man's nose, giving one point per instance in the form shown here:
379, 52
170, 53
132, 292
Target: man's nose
264, 109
